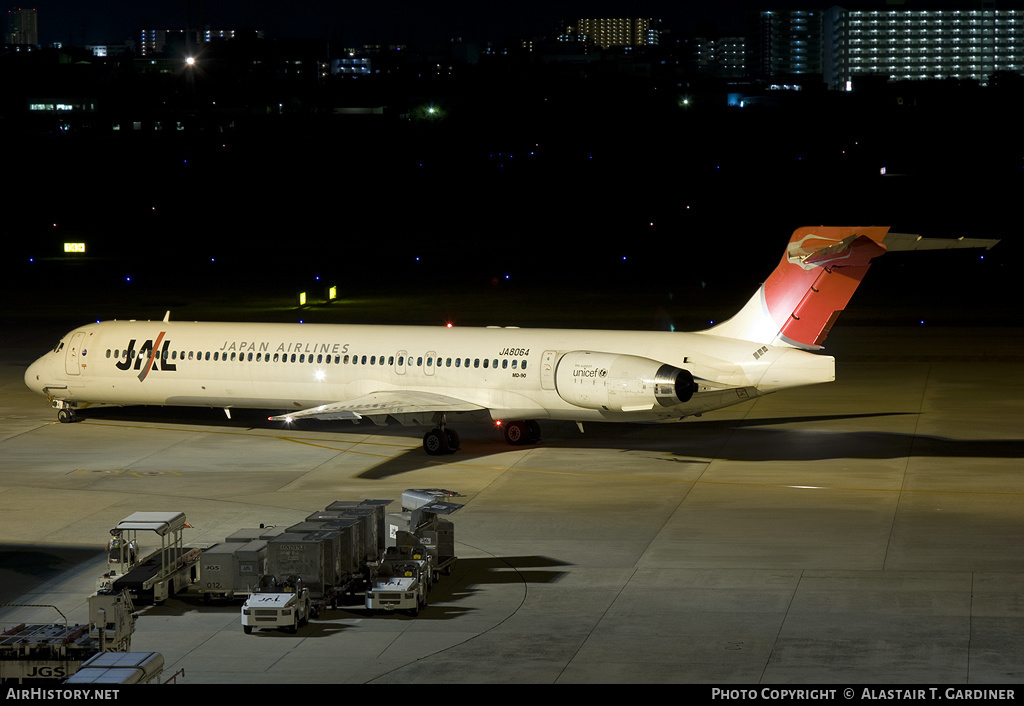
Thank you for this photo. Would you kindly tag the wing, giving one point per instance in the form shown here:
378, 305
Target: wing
377, 404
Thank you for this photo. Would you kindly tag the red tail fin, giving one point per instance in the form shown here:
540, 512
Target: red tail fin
815, 279
809, 288
817, 276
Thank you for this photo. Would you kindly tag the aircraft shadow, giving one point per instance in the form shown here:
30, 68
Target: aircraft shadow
761, 439
765, 439
28, 567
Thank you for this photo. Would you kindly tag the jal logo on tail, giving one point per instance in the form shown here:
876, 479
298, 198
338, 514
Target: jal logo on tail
149, 357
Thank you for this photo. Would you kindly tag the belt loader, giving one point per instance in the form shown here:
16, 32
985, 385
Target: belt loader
159, 575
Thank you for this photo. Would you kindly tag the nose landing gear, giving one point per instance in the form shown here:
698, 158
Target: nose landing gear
66, 414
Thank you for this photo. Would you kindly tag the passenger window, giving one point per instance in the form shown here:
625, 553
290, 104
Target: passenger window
504, 364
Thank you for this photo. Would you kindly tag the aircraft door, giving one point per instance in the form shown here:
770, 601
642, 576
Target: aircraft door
429, 362
547, 370
73, 353
400, 362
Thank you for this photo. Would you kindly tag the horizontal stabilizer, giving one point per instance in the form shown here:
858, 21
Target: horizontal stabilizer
898, 242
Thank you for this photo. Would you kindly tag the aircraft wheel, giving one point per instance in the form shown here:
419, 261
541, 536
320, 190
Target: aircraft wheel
435, 442
65, 415
532, 431
515, 433
452, 437
522, 433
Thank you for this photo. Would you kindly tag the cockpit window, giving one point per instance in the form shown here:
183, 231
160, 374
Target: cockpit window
58, 347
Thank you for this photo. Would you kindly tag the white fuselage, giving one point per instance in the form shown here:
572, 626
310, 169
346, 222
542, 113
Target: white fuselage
510, 373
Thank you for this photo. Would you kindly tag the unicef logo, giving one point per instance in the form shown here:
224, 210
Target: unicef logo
602, 373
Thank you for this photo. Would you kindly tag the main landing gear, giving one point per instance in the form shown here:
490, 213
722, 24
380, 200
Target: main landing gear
441, 440
522, 433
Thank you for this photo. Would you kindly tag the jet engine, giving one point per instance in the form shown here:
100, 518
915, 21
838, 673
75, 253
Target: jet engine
620, 383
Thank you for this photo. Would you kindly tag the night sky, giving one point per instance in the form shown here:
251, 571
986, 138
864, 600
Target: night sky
276, 200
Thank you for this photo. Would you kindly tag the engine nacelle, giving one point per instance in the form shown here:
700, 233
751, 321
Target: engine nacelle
620, 383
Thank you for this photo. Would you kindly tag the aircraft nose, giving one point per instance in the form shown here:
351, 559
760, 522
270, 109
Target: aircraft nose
34, 376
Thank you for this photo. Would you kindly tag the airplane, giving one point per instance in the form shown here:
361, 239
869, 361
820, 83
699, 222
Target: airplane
508, 376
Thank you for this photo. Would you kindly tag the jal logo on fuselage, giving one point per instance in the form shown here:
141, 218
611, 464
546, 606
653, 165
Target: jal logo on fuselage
151, 356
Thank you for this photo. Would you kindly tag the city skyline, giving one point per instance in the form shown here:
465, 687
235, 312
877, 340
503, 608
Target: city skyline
91, 21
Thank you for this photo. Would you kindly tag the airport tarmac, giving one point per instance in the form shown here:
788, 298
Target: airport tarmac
867, 531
